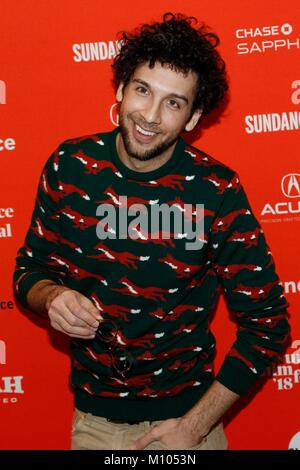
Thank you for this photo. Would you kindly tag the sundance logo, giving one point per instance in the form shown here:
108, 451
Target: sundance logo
276, 122
266, 39
95, 51
272, 122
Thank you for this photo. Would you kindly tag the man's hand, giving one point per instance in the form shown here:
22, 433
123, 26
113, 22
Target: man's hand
189, 430
172, 433
72, 313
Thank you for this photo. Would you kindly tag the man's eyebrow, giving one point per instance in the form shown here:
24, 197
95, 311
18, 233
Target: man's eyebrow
173, 95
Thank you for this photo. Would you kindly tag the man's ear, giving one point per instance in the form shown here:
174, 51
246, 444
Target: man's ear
193, 120
119, 93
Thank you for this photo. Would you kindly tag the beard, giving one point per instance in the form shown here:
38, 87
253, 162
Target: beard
148, 154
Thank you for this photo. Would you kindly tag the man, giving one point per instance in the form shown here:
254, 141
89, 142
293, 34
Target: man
137, 300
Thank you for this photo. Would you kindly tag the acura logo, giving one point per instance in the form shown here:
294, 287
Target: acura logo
290, 185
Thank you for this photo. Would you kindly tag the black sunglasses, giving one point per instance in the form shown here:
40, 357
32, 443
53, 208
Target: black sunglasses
121, 359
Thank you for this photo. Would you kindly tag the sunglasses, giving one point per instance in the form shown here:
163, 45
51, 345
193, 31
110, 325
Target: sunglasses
121, 359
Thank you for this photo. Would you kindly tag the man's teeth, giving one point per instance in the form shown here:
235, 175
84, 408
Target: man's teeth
142, 131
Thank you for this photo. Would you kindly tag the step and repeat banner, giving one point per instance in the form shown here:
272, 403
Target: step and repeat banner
55, 84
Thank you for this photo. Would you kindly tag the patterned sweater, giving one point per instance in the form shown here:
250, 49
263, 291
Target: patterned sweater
162, 294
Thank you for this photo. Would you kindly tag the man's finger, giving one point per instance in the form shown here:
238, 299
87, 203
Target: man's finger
65, 313
74, 330
67, 305
82, 313
142, 442
61, 310
58, 327
145, 440
90, 307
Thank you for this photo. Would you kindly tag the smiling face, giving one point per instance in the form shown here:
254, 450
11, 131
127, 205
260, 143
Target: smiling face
155, 108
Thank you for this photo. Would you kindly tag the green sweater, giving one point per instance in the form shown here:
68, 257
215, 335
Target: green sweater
161, 294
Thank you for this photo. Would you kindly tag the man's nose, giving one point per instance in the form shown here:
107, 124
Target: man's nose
151, 112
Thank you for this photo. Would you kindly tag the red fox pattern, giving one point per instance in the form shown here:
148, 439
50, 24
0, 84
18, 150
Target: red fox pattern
255, 293
223, 224
113, 310
247, 238
229, 271
151, 292
221, 183
93, 166
122, 257
181, 269
160, 294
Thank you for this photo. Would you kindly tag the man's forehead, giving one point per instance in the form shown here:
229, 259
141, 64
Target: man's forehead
164, 75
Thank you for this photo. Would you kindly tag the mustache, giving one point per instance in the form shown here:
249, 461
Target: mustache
147, 126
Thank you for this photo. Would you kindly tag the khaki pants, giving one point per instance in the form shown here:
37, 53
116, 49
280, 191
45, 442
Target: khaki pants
91, 432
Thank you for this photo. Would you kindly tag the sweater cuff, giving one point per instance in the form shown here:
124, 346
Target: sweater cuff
28, 282
236, 377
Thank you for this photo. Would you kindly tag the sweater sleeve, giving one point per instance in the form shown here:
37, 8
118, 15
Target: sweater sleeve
242, 260
35, 260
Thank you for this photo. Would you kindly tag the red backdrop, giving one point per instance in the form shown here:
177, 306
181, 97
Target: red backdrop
55, 83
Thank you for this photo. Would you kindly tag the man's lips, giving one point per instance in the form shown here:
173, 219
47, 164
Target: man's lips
142, 134
144, 131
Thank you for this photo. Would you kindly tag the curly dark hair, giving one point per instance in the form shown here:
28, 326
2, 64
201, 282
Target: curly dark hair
178, 44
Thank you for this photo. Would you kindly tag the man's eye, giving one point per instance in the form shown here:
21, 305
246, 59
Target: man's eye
142, 90
174, 104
